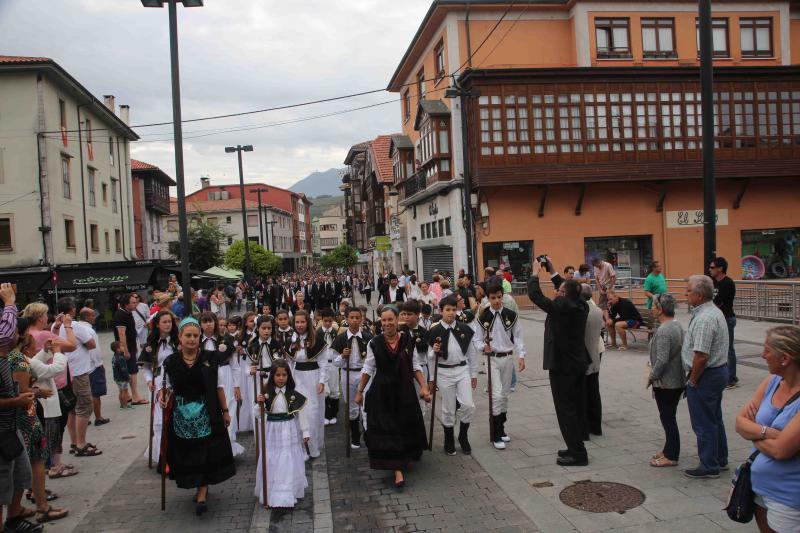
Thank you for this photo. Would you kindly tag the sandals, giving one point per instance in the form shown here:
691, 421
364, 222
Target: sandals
622, 348
87, 451
66, 471
140, 402
72, 448
661, 462
50, 514
26, 512
50, 497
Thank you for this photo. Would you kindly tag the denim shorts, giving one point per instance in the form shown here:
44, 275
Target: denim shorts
780, 517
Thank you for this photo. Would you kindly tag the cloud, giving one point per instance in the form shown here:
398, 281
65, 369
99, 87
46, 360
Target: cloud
235, 55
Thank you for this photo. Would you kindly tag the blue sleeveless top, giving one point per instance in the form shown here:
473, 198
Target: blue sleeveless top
777, 480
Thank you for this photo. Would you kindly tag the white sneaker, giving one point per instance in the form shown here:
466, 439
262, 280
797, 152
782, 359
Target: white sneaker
513, 389
499, 445
354, 446
332, 421
505, 438
327, 422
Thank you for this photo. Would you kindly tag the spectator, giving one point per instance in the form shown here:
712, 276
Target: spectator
125, 332
119, 369
724, 294
705, 358
583, 272
436, 287
202, 301
566, 359
505, 280
488, 273
141, 314
177, 308
622, 315
770, 421
654, 283
594, 345
391, 293
569, 272
97, 378
426, 296
446, 290
15, 474
80, 366
606, 278
667, 377
412, 288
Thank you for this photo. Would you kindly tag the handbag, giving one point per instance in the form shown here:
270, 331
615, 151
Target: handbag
10, 445
741, 501
66, 396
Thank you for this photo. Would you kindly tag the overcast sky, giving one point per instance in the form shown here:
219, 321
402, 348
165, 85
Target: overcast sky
236, 55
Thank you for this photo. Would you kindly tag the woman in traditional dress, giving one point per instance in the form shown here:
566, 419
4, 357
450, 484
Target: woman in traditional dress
285, 434
161, 343
220, 348
310, 371
395, 430
198, 449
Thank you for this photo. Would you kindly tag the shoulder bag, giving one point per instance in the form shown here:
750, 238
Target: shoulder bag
741, 504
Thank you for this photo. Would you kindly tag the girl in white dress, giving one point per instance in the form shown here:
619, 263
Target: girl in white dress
259, 356
220, 348
161, 343
245, 332
310, 372
285, 435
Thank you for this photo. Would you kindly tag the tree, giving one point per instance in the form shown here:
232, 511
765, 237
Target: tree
340, 257
264, 262
205, 241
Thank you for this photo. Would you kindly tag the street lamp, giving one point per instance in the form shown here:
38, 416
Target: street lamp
707, 111
239, 149
260, 226
270, 234
183, 230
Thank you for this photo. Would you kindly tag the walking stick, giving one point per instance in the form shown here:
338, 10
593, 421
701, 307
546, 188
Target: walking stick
152, 409
255, 361
347, 412
433, 393
163, 451
264, 457
487, 340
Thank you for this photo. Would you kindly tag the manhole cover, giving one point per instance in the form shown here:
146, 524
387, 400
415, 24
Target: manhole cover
601, 496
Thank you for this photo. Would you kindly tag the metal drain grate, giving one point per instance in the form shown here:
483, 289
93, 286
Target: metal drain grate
601, 496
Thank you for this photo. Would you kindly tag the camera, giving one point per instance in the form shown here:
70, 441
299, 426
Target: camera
542, 259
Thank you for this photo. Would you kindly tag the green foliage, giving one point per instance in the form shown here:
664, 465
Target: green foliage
205, 241
340, 257
264, 262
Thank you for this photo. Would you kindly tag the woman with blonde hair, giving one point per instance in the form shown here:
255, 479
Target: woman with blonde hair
770, 421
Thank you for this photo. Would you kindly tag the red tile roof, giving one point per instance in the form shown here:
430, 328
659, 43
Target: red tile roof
212, 206
141, 165
381, 159
22, 59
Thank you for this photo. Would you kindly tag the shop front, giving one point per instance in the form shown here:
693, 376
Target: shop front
516, 255
630, 255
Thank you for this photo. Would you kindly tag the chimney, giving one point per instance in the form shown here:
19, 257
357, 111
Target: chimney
205, 182
125, 113
108, 99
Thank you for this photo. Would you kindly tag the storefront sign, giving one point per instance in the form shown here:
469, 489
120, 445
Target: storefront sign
693, 218
510, 245
383, 243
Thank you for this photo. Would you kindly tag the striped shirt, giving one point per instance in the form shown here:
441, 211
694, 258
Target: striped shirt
8, 324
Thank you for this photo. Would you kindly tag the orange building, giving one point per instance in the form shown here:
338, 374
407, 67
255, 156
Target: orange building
578, 125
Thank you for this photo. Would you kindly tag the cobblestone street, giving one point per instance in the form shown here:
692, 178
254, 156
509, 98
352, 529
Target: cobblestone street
512, 490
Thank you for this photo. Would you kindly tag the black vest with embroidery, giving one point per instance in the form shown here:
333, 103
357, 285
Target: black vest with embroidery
420, 336
294, 401
341, 342
461, 332
256, 349
508, 317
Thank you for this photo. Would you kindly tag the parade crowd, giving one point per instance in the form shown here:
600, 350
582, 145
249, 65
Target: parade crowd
208, 369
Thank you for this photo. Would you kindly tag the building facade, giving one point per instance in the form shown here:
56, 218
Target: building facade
583, 120
281, 222
330, 229
151, 202
65, 174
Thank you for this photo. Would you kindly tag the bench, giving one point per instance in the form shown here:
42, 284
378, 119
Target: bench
649, 323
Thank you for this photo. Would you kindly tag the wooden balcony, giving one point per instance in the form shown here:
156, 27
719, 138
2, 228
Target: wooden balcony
556, 125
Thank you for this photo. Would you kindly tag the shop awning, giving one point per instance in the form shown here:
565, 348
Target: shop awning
86, 281
224, 273
26, 281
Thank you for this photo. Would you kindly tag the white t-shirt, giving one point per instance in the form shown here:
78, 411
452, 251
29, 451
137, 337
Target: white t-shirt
79, 361
401, 280
140, 317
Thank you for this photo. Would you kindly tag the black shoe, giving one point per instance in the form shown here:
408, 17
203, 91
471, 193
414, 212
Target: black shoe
503, 419
200, 508
563, 453
463, 440
101, 421
20, 525
355, 433
569, 460
449, 441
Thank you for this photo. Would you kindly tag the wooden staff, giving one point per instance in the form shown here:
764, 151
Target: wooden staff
152, 409
163, 451
255, 359
347, 411
487, 339
264, 456
433, 392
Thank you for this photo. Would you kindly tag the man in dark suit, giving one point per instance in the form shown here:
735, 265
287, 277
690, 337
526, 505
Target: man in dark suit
338, 289
309, 291
391, 292
566, 359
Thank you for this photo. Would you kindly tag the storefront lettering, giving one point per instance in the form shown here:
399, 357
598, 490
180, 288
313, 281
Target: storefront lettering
433, 209
692, 218
100, 280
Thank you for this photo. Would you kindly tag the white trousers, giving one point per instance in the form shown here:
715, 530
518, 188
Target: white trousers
355, 378
502, 371
332, 387
455, 384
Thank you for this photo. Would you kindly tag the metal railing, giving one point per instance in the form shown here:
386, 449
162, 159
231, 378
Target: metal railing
776, 301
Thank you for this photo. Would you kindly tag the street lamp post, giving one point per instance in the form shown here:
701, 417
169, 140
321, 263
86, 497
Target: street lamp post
707, 111
239, 149
270, 235
260, 225
183, 230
